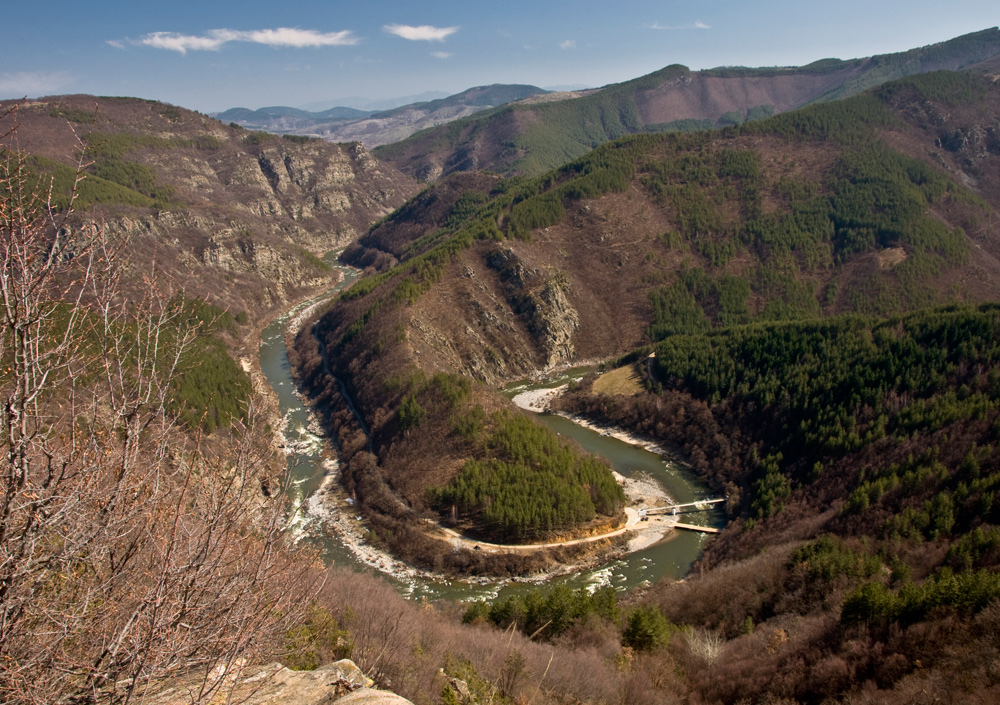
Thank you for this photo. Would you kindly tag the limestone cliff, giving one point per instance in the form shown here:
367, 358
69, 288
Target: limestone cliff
232, 215
539, 298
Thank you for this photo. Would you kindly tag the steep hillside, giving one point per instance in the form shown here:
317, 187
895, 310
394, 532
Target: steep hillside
855, 206
140, 456
533, 138
858, 454
233, 216
382, 127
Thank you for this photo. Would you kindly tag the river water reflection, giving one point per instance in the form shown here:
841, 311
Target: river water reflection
304, 445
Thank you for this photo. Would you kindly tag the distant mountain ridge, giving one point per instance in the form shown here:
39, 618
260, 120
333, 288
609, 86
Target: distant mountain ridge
284, 119
529, 139
373, 128
370, 105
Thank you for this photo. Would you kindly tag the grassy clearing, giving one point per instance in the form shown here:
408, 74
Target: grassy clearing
623, 380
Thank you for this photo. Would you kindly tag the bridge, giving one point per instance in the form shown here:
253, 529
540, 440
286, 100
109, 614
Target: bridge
672, 508
695, 527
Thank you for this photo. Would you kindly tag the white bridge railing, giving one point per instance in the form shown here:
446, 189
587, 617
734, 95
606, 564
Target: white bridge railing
672, 508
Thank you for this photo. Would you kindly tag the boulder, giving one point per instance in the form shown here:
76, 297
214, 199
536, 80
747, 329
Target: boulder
340, 682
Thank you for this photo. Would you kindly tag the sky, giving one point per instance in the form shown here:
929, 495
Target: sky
212, 55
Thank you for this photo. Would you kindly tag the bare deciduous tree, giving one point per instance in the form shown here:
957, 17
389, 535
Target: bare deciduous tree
129, 552
706, 645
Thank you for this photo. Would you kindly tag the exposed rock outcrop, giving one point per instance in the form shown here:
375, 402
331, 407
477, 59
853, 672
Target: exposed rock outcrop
340, 682
540, 300
231, 215
553, 320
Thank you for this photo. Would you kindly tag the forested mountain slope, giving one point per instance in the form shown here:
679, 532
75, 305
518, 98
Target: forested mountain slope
789, 276
530, 139
869, 205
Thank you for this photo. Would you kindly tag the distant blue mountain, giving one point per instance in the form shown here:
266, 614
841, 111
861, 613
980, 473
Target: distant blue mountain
371, 105
371, 127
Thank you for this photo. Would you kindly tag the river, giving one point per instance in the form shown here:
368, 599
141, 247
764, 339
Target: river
304, 447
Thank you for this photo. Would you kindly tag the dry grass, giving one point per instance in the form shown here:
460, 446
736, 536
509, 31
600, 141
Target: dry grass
890, 257
624, 381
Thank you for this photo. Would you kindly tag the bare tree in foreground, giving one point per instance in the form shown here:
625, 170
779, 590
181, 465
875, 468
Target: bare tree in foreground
129, 554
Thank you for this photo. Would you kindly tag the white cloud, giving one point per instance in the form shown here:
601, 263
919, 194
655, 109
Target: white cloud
568, 44
33, 83
214, 39
697, 25
441, 54
286, 37
183, 42
424, 33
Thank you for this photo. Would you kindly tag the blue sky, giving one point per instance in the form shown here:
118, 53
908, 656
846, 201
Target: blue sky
217, 54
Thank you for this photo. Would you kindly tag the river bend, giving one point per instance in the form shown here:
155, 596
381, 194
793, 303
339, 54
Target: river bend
304, 446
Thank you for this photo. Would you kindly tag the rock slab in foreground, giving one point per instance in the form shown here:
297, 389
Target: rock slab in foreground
341, 682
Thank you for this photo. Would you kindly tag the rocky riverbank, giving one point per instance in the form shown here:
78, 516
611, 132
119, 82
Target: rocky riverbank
332, 510
642, 492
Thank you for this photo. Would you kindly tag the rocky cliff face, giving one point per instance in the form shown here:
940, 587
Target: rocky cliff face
553, 320
539, 298
311, 181
232, 215
223, 261
500, 319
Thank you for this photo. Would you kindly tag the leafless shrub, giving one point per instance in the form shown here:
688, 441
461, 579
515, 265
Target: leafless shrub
706, 645
511, 673
723, 597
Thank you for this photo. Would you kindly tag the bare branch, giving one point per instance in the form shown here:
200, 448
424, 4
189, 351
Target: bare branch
129, 548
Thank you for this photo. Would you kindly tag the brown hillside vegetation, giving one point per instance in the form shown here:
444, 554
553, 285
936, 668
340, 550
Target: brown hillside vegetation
699, 95
131, 548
